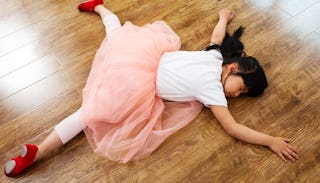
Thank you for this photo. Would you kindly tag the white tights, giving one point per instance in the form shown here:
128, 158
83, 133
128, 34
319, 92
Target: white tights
70, 127
73, 125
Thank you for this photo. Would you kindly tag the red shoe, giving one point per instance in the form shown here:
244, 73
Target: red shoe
89, 5
22, 162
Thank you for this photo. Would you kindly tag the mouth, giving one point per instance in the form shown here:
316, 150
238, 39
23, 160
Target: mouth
230, 95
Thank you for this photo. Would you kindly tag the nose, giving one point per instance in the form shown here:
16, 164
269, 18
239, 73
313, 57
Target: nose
236, 94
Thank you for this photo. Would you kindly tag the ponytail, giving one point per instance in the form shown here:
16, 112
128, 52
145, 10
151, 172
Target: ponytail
232, 46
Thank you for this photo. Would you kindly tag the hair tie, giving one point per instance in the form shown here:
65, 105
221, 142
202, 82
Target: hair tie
244, 54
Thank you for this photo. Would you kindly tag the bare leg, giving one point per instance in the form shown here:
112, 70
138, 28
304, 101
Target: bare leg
62, 133
51, 143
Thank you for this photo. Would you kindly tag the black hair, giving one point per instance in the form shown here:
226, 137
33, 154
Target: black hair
252, 74
231, 46
249, 68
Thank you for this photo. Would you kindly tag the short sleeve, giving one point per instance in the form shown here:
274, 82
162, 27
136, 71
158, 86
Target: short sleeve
212, 46
212, 94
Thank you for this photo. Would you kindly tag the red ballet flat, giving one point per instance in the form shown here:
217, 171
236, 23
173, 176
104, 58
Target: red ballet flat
89, 5
17, 165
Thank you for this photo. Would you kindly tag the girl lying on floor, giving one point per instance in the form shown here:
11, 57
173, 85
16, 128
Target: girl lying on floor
141, 89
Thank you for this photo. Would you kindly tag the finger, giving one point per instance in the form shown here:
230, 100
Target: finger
292, 153
293, 148
286, 140
288, 155
282, 157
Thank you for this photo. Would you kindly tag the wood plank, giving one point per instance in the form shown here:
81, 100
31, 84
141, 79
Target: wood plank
261, 4
21, 57
37, 121
32, 96
13, 23
28, 75
295, 7
18, 39
283, 36
306, 16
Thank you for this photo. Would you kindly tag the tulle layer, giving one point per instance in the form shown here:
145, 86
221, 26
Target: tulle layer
126, 119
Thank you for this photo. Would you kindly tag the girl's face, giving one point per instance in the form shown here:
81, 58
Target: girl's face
234, 86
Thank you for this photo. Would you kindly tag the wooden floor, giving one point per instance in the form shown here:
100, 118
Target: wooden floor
46, 50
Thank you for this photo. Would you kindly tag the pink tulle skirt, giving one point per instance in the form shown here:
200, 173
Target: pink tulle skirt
125, 118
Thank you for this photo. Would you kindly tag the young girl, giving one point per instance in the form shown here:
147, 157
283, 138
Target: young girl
141, 89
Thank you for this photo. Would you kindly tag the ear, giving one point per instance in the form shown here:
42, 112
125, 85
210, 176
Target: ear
243, 54
233, 68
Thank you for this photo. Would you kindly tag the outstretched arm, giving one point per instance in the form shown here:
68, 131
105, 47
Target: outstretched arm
219, 31
279, 145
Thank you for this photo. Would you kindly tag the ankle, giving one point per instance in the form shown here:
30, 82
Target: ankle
97, 8
40, 154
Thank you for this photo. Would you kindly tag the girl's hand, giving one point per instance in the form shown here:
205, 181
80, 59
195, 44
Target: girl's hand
283, 149
225, 15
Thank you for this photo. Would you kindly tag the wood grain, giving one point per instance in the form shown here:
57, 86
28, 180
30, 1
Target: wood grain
46, 50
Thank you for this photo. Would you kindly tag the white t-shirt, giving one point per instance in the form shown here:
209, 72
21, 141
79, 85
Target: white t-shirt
191, 75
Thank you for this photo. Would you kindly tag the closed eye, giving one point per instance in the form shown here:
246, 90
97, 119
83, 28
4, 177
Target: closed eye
244, 90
